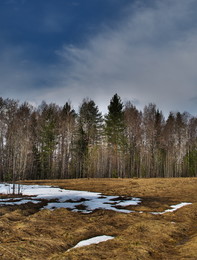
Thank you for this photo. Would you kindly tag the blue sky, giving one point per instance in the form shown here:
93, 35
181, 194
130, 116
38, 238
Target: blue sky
60, 50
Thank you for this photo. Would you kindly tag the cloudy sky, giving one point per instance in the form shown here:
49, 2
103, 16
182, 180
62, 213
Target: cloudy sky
60, 50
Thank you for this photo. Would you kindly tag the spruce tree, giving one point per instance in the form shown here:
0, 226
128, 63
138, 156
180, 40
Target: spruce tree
114, 129
89, 132
114, 120
90, 120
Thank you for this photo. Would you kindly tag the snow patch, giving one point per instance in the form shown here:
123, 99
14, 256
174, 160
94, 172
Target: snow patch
173, 208
17, 202
77, 201
93, 240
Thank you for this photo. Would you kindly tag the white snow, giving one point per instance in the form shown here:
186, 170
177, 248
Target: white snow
79, 201
128, 202
93, 240
173, 208
17, 202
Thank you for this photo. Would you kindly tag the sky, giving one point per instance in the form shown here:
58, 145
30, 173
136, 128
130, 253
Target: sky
67, 50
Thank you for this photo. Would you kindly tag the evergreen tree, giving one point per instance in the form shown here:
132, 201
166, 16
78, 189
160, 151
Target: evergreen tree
89, 133
90, 120
114, 129
48, 136
114, 120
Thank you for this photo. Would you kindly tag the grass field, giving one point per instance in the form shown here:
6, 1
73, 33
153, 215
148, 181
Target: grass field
28, 233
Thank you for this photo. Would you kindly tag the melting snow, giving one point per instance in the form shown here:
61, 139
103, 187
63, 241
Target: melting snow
173, 208
79, 201
93, 240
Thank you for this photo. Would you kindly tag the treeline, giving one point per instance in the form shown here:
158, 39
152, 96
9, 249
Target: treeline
56, 142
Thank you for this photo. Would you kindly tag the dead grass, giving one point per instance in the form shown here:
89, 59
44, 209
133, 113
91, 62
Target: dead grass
27, 233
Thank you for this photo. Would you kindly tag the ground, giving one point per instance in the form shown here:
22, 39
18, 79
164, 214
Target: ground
28, 233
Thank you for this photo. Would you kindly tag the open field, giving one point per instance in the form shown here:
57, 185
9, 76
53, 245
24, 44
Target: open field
28, 233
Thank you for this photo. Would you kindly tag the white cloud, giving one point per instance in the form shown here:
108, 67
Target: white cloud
149, 56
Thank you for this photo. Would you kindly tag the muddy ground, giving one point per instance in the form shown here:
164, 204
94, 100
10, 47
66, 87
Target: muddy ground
28, 233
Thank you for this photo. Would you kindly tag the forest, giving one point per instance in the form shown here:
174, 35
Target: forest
56, 142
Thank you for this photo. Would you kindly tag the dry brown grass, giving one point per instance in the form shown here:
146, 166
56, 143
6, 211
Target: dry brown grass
27, 233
